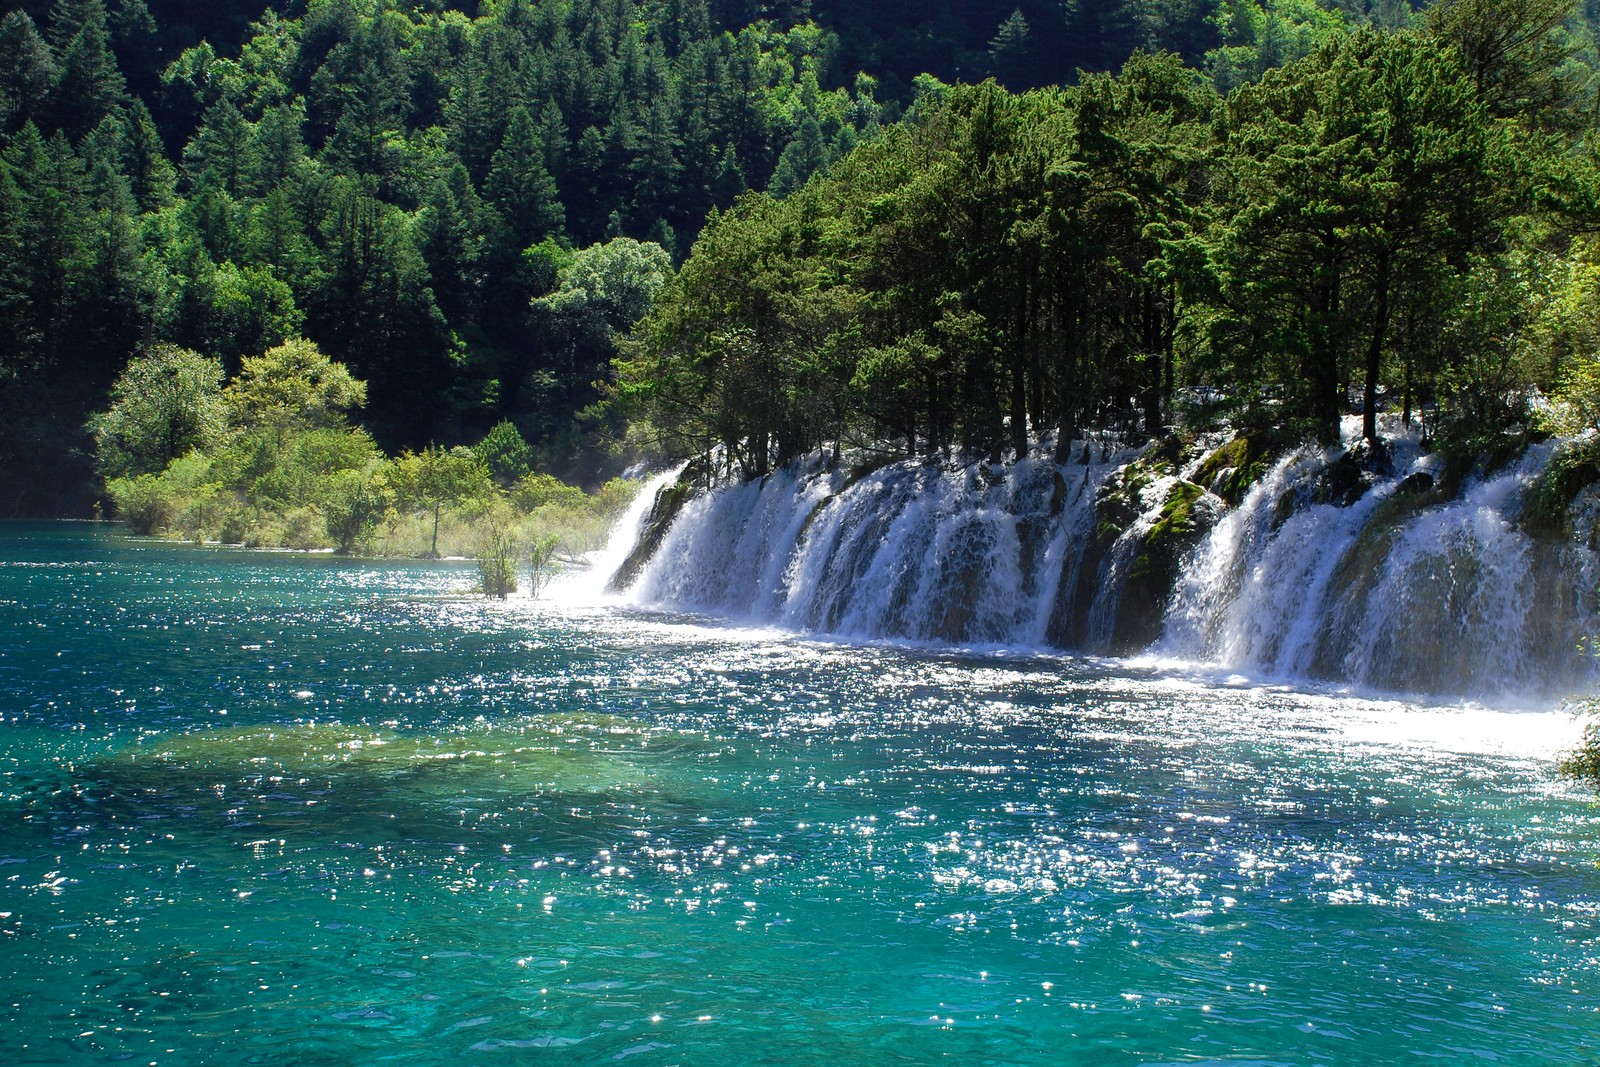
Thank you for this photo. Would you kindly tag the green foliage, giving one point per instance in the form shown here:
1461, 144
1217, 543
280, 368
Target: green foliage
294, 386
437, 478
267, 459
1583, 763
498, 551
537, 490
406, 187
1573, 468
949, 285
143, 502
542, 551
1363, 215
1564, 334
164, 404
505, 454
373, 178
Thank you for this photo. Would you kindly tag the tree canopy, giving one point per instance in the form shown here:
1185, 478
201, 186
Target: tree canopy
470, 209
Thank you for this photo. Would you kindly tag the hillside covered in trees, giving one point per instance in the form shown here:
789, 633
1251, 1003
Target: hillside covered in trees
1395, 219
394, 181
467, 206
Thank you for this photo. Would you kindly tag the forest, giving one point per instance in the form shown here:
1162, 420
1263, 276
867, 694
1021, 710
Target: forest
1396, 220
576, 233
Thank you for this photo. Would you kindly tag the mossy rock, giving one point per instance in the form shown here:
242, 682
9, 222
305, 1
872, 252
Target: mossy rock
1178, 518
1120, 500
1230, 471
1185, 518
670, 500
1545, 504
1117, 505
1481, 456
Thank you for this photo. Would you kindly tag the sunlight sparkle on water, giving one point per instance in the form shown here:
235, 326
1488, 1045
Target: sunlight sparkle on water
435, 828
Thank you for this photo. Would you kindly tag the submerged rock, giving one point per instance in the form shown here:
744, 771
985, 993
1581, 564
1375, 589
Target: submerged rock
670, 500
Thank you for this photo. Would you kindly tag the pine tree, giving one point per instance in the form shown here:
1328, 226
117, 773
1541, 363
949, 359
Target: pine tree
804, 156
654, 170
218, 150
27, 70
151, 179
450, 245
520, 188
1011, 53
88, 84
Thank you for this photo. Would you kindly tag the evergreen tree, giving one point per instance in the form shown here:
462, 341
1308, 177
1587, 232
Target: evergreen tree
27, 70
151, 178
519, 187
1011, 53
88, 84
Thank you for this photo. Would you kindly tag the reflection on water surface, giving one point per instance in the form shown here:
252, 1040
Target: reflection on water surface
313, 811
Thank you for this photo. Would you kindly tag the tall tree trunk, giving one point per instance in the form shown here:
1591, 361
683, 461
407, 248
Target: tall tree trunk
1019, 381
1066, 381
1380, 328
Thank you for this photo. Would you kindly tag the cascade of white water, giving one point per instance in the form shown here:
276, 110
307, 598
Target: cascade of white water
587, 584
1384, 585
1251, 596
912, 550
728, 550
1398, 591
1455, 599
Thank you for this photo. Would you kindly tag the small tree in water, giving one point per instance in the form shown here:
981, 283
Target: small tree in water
498, 552
541, 561
1583, 762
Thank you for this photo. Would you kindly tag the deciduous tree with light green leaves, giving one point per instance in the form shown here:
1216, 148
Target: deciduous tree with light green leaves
437, 478
165, 403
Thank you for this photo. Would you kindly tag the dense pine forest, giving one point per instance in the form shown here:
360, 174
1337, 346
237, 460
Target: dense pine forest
1396, 219
444, 227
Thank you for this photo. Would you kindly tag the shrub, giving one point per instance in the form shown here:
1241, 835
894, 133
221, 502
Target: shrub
498, 551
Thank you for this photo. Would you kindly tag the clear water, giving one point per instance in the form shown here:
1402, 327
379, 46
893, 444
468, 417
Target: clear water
269, 809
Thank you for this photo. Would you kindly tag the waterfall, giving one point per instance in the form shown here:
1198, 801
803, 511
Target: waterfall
1324, 570
972, 556
1398, 591
588, 584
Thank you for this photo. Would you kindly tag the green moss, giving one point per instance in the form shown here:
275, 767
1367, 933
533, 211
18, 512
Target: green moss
1177, 514
1231, 470
1119, 502
1181, 524
1571, 470
1234, 454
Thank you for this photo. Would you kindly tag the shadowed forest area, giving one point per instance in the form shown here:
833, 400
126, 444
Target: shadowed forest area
1277, 209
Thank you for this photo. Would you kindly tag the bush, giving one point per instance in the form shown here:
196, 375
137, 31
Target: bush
143, 502
1583, 763
538, 490
163, 404
541, 561
498, 551
505, 453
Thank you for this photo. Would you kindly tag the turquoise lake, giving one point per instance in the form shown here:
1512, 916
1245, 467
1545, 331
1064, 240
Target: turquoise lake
264, 808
